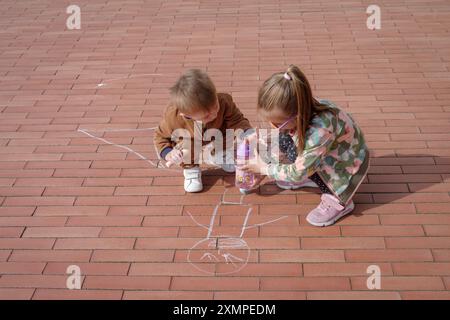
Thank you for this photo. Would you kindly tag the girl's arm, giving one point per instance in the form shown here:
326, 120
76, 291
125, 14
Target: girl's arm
318, 142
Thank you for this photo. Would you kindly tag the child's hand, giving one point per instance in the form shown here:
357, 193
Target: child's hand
174, 157
258, 179
255, 165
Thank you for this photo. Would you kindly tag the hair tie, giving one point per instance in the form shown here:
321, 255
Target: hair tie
286, 76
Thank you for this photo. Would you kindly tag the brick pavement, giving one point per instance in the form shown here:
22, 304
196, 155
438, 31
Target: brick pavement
67, 198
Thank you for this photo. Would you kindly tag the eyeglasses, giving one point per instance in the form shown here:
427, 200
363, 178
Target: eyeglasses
284, 123
205, 117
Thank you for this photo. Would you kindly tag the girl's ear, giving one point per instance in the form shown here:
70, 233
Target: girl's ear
185, 116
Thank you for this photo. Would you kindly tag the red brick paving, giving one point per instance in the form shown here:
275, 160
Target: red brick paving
68, 199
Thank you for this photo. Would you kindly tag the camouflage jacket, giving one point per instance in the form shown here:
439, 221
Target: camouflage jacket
334, 148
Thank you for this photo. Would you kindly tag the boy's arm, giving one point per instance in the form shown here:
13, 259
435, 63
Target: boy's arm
162, 138
233, 117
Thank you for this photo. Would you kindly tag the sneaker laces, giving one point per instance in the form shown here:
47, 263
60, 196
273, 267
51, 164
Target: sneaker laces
190, 175
326, 204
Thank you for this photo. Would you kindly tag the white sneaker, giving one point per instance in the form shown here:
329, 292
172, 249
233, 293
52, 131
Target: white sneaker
296, 185
193, 179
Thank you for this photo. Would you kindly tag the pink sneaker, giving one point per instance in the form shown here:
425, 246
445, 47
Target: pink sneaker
295, 185
328, 211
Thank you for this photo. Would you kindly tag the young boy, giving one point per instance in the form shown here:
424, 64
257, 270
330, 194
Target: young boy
196, 107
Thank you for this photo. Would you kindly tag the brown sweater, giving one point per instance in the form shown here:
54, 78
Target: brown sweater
228, 117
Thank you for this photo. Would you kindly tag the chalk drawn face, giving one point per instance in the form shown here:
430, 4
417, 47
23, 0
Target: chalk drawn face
219, 255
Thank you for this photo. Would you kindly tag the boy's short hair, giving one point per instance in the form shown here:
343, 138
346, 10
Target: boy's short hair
193, 91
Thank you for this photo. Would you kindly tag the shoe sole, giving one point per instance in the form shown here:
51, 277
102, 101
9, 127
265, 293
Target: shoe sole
333, 221
193, 191
244, 191
306, 185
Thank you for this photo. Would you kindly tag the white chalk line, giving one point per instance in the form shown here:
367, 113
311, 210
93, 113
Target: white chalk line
141, 156
105, 82
118, 130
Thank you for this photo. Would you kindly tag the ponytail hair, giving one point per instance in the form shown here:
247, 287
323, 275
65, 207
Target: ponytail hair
291, 92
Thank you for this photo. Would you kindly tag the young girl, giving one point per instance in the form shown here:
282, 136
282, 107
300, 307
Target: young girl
322, 140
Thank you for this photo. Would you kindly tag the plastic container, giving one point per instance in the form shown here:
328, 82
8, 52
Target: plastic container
244, 180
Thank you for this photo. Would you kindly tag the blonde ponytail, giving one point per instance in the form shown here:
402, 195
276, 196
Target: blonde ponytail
291, 92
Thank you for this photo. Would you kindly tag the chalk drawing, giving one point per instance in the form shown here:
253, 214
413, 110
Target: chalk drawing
105, 83
231, 250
